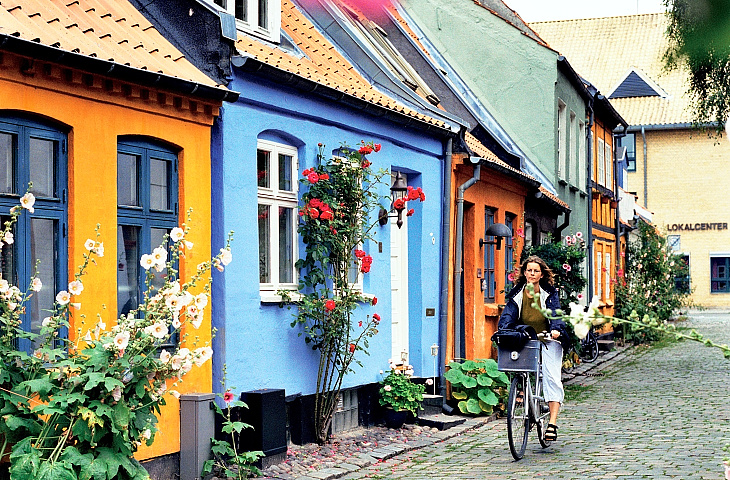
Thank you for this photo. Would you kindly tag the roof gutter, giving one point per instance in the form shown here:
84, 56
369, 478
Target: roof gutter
255, 66
26, 48
661, 126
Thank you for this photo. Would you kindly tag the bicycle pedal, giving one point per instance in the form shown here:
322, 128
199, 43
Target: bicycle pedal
544, 408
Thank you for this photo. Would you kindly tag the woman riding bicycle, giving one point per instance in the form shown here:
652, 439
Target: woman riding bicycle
520, 311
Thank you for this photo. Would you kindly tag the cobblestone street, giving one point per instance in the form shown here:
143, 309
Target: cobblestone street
660, 413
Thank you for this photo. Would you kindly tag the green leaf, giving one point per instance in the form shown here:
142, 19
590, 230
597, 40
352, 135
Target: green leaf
488, 396
470, 366
24, 460
94, 379
121, 415
96, 470
55, 471
72, 455
111, 382
231, 426
42, 386
112, 460
485, 407
14, 422
484, 380
454, 366
472, 406
459, 395
454, 376
469, 382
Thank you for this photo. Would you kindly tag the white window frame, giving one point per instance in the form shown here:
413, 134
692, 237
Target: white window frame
607, 276
599, 283
562, 107
274, 199
601, 151
272, 30
608, 158
572, 149
582, 155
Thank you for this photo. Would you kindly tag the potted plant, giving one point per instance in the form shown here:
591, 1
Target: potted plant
400, 395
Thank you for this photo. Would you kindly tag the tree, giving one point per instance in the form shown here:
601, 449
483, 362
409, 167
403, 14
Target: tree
699, 40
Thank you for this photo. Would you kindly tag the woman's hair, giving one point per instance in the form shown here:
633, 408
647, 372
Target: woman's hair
547, 274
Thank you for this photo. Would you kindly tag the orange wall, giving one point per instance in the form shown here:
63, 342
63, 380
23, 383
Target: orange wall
95, 119
506, 195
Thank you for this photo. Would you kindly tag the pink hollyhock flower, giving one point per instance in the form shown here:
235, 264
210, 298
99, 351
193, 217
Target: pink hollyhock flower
329, 305
579, 234
511, 277
567, 267
228, 397
520, 233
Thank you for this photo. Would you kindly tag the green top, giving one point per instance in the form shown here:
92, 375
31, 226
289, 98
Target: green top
532, 316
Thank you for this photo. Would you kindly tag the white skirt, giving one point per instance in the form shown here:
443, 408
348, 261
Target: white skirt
552, 363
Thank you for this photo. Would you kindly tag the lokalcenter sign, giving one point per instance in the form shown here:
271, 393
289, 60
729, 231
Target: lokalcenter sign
694, 227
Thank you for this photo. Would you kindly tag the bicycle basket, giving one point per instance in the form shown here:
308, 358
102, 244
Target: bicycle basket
525, 360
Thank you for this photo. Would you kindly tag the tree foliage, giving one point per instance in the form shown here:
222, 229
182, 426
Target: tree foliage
699, 40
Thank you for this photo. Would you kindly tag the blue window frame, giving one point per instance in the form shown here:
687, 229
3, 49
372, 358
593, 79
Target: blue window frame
629, 141
147, 209
32, 151
719, 274
490, 277
509, 249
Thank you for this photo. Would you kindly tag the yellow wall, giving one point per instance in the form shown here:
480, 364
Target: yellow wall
95, 118
686, 184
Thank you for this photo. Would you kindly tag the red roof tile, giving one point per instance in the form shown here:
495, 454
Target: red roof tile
111, 30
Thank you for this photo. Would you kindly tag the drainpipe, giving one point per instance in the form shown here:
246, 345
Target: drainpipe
589, 190
566, 222
646, 193
615, 195
445, 244
459, 254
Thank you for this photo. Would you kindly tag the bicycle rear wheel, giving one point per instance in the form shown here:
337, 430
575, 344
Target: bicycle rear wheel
518, 420
589, 348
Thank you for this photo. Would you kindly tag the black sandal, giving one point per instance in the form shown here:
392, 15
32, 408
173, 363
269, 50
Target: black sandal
551, 433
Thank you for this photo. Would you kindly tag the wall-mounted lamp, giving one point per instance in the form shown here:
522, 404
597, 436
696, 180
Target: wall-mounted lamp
398, 192
404, 356
498, 231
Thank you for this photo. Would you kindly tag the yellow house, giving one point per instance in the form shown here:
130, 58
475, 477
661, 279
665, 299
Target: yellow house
112, 126
672, 168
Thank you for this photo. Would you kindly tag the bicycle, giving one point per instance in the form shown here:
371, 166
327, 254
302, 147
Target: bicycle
588, 351
532, 410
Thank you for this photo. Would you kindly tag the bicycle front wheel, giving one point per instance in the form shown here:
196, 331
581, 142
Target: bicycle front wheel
518, 420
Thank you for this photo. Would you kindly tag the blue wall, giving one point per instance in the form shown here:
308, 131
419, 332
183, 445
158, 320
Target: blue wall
255, 340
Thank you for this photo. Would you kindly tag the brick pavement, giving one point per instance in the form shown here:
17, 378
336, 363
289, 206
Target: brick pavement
659, 413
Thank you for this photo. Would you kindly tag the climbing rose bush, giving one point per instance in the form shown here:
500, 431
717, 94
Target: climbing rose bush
80, 407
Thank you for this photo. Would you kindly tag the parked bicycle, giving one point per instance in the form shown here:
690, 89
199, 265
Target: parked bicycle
526, 408
588, 349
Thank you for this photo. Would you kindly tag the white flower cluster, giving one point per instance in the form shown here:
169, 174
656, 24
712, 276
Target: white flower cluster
10, 294
582, 318
400, 367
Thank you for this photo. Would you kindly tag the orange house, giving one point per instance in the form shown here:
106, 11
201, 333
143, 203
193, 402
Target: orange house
112, 125
482, 272
605, 236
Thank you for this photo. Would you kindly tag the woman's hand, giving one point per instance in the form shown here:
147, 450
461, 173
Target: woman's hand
554, 334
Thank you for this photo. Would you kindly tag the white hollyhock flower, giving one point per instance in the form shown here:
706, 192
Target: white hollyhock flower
177, 234
226, 257
89, 244
147, 261
165, 356
160, 256
36, 284
27, 201
8, 238
76, 287
157, 330
201, 301
63, 297
121, 340
99, 250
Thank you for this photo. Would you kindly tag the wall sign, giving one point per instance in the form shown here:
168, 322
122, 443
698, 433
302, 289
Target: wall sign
693, 227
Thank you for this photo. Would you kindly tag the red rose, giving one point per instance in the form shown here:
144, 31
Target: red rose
332, 229
376, 317
324, 176
365, 268
313, 177
319, 144
227, 397
326, 215
377, 147
360, 253
329, 305
367, 260
315, 203
410, 212
413, 195
352, 348
305, 172
422, 195
399, 204
359, 324
313, 213
374, 301
365, 164
365, 150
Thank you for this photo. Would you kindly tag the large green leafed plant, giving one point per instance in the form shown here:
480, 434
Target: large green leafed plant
478, 385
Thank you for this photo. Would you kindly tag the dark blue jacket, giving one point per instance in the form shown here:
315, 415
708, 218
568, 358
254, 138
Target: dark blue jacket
510, 317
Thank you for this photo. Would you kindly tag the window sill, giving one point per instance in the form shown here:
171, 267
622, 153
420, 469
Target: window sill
562, 182
273, 298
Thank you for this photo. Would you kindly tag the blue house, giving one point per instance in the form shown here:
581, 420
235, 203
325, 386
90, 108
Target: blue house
299, 91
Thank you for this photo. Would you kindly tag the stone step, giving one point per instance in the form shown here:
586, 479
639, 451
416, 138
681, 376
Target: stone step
440, 421
431, 404
605, 345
